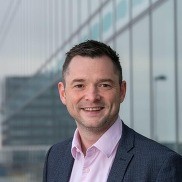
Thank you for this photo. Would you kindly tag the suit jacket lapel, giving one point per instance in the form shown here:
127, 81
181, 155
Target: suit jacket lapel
123, 157
67, 164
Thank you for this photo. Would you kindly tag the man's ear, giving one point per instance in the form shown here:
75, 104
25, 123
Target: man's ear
62, 94
123, 91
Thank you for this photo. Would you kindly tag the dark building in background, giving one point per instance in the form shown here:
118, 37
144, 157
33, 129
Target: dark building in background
33, 121
44, 120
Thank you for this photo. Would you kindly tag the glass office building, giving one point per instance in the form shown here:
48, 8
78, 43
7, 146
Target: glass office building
41, 121
147, 34
28, 131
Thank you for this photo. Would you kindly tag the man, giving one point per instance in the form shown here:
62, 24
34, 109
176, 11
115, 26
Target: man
103, 148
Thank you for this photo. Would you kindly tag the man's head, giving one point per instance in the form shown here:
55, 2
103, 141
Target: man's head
92, 87
92, 49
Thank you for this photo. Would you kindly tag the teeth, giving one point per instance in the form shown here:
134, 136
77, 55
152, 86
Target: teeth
92, 108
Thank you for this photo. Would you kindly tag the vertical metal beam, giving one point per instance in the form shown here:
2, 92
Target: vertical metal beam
176, 76
152, 118
131, 67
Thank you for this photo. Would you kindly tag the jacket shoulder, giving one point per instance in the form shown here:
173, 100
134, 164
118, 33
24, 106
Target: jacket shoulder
151, 161
61, 146
142, 143
58, 162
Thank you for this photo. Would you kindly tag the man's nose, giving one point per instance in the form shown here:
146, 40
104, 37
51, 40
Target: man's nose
92, 94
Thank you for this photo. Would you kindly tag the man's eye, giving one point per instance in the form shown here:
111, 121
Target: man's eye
79, 86
104, 85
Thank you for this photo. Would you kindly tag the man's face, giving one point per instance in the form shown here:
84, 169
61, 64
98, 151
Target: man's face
92, 93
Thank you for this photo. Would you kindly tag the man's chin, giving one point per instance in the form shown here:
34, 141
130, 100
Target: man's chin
94, 126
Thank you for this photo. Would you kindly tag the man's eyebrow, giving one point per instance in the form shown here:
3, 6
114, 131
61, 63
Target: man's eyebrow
105, 80
81, 80
77, 80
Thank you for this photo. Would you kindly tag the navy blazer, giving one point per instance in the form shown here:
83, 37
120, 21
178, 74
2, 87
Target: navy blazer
138, 159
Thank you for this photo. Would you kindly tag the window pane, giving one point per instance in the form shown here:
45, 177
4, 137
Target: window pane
122, 47
154, 0
94, 5
122, 13
75, 15
84, 10
141, 90
163, 66
107, 21
67, 19
84, 34
138, 6
95, 28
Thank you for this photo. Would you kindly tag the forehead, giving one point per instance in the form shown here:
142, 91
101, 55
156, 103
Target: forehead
80, 64
91, 68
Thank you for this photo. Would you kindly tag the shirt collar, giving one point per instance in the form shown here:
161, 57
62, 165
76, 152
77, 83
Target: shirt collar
76, 145
113, 134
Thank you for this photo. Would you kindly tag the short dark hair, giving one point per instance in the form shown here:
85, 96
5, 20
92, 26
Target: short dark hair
92, 48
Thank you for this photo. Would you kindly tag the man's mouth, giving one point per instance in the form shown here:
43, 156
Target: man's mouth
92, 108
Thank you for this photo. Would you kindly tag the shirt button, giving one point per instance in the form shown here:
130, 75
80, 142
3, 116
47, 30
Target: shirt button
86, 170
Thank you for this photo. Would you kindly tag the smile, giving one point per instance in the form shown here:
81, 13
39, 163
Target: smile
92, 108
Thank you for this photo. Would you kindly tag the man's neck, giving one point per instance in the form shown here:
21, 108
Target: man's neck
88, 138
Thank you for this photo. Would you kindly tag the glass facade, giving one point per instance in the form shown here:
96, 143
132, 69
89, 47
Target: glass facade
147, 34
163, 64
123, 49
141, 76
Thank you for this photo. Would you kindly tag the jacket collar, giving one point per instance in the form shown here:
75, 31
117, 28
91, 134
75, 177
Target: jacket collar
66, 164
123, 156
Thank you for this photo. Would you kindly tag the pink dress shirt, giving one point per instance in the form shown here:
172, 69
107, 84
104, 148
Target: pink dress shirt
96, 165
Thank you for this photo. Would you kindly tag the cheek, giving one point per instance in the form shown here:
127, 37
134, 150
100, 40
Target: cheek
115, 100
111, 101
114, 97
70, 100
